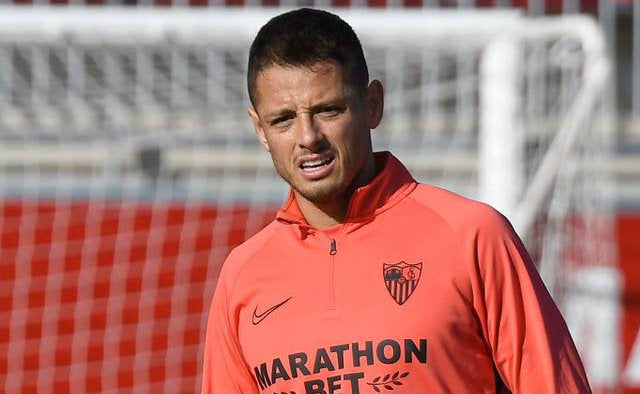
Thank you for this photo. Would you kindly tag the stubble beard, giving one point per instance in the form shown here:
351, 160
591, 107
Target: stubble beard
324, 192
323, 196
317, 193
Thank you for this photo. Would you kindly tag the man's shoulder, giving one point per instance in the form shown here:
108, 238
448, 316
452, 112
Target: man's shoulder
461, 213
243, 253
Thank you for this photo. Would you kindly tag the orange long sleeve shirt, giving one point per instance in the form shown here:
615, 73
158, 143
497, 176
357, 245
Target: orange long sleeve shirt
419, 291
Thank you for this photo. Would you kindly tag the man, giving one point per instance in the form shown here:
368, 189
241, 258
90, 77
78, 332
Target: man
368, 282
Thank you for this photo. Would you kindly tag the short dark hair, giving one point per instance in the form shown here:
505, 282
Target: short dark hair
305, 37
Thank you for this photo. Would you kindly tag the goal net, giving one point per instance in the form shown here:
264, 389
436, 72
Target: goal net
129, 169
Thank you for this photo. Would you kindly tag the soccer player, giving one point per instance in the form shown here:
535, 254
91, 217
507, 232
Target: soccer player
367, 281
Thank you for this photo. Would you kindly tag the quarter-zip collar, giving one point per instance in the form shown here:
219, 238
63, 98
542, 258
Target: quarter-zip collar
392, 183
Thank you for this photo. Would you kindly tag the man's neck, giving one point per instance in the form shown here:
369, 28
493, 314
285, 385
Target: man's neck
322, 215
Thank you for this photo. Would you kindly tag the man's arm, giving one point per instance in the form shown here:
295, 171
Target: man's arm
225, 371
531, 345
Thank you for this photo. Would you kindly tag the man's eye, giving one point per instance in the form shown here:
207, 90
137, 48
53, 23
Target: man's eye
331, 111
281, 121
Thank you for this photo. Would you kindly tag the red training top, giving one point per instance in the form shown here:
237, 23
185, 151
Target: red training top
419, 291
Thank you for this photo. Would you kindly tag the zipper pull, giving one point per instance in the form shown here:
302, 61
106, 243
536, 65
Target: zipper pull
332, 248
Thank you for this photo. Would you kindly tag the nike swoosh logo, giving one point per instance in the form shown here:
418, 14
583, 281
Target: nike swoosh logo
258, 317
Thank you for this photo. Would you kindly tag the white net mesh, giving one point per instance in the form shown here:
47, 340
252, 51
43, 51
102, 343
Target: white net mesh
128, 169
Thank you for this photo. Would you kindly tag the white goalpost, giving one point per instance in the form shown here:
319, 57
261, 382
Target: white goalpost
129, 169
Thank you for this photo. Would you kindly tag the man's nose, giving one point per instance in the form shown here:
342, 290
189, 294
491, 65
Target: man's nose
308, 133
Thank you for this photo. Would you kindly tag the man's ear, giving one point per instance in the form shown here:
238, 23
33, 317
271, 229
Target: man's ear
255, 119
375, 103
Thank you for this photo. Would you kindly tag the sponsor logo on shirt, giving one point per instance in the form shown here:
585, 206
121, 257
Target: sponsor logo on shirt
401, 280
349, 356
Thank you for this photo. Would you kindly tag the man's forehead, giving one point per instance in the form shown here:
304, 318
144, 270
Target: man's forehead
274, 71
279, 81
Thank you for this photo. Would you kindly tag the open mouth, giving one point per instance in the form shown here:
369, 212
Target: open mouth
317, 168
316, 163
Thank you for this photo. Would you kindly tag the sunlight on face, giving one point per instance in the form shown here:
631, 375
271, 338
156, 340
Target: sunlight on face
316, 129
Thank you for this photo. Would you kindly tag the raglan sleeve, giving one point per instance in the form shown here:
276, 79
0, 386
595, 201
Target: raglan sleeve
531, 346
225, 370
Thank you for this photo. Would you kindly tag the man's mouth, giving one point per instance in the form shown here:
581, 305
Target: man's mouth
316, 163
317, 168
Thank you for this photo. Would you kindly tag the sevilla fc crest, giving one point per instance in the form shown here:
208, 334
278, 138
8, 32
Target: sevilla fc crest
401, 279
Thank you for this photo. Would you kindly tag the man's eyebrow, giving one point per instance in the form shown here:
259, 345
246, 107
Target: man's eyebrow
329, 102
279, 113
334, 102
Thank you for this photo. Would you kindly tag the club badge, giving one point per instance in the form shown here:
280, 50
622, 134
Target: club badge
401, 279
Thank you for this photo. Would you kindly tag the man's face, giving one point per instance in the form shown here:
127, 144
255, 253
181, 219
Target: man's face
317, 129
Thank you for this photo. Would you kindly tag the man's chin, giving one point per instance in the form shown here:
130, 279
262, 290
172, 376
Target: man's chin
320, 196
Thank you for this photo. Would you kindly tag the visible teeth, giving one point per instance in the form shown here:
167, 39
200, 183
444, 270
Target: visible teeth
315, 163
